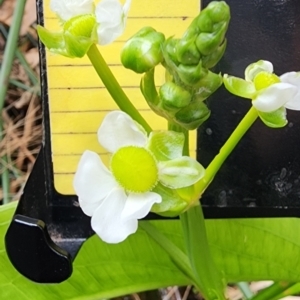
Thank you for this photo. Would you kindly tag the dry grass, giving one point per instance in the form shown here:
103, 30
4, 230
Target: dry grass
22, 110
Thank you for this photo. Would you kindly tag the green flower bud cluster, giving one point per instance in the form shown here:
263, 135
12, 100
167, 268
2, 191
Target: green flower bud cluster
187, 62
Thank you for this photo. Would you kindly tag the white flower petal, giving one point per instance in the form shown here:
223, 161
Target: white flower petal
107, 221
261, 66
118, 130
67, 9
111, 17
109, 12
274, 97
294, 79
138, 206
107, 35
92, 182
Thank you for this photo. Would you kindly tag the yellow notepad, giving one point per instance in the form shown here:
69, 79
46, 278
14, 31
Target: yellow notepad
78, 100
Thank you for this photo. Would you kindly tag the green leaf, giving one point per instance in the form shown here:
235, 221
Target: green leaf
239, 87
274, 119
243, 250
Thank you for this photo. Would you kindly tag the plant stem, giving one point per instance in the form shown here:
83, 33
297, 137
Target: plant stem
114, 88
244, 287
7, 61
209, 280
273, 291
227, 148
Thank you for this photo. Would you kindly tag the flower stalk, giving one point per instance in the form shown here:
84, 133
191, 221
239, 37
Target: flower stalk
227, 148
114, 87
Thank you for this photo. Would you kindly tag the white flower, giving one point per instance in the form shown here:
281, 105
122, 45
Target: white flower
117, 197
67, 9
110, 15
267, 91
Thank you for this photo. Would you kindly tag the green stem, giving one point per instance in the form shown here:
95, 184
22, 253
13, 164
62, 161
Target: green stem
7, 61
209, 280
114, 88
227, 148
244, 287
272, 292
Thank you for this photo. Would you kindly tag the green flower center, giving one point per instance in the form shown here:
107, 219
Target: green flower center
264, 79
134, 169
81, 26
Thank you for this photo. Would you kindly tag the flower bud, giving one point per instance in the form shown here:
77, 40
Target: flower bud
208, 85
142, 52
191, 74
174, 96
187, 52
213, 23
209, 61
193, 115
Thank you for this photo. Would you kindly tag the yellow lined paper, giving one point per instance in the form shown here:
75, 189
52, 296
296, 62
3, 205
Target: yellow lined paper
78, 100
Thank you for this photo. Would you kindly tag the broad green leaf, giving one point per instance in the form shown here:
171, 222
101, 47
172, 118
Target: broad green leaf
243, 249
100, 270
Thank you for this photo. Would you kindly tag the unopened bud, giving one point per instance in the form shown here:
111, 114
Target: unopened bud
142, 52
193, 115
174, 96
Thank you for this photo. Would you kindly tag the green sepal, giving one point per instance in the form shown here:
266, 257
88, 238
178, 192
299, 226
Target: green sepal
78, 34
172, 204
54, 41
193, 115
180, 172
142, 51
239, 87
174, 96
275, 119
166, 145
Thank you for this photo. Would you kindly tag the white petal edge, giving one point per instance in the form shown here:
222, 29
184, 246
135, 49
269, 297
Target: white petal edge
107, 221
92, 182
260, 66
138, 206
294, 79
118, 130
274, 97
67, 9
